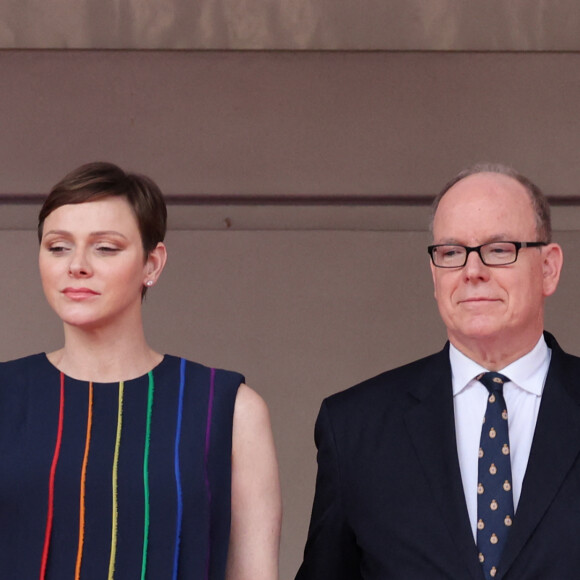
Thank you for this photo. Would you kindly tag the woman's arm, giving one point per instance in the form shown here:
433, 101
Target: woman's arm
256, 498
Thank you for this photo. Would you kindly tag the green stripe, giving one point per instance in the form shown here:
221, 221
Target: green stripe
146, 473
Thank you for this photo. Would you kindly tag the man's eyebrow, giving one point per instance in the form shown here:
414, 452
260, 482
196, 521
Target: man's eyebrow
490, 239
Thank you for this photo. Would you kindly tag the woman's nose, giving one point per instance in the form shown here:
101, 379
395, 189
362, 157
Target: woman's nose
79, 265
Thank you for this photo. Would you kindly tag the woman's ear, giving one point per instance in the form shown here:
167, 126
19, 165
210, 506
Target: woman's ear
154, 264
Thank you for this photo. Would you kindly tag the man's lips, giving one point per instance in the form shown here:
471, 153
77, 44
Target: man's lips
79, 293
477, 299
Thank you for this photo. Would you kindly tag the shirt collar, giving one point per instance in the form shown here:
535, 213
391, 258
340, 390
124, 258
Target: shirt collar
524, 372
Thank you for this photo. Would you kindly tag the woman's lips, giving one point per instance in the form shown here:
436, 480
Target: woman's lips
79, 293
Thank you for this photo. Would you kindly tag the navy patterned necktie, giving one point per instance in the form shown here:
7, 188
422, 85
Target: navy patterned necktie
495, 503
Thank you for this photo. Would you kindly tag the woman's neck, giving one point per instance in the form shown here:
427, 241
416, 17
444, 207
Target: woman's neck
103, 356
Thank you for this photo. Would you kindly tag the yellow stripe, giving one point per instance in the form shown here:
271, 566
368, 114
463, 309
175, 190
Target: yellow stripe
83, 485
115, 474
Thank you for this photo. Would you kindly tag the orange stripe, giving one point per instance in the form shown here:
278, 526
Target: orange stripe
83, 485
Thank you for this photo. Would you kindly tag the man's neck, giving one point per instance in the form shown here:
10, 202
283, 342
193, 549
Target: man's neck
494, 354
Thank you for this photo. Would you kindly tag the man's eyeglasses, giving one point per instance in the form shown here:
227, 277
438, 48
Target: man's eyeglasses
491, 254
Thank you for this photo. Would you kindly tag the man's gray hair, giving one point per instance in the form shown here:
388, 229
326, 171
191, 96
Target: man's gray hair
539, 201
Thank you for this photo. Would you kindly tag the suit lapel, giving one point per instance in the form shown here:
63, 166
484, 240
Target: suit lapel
556, 444
431, 426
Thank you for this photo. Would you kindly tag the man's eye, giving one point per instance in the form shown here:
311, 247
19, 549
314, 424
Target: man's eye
450, 253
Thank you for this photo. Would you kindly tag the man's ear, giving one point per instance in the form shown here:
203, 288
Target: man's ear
553, 259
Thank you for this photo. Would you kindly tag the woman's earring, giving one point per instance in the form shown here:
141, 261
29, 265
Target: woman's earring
149, 283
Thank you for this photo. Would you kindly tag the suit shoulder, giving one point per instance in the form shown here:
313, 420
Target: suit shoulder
394, 383
559, 353
563, 368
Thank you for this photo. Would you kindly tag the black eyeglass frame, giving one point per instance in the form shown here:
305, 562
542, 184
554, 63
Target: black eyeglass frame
469, 249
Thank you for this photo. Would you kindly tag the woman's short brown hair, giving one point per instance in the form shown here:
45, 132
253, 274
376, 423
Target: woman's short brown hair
99, 180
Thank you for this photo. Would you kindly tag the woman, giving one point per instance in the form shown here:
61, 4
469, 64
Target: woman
115, 460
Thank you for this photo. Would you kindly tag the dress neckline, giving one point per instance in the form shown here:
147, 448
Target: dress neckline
155, 369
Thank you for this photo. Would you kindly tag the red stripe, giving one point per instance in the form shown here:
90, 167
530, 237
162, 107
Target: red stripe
51, 482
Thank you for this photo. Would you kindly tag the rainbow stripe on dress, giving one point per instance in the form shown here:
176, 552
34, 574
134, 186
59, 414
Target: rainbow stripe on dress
116, 507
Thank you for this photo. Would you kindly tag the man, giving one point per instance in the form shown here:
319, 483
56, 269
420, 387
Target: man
419, 477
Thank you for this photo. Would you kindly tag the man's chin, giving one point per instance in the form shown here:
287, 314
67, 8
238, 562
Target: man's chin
475, 332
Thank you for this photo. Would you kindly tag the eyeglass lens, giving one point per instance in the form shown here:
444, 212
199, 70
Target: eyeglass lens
492, 254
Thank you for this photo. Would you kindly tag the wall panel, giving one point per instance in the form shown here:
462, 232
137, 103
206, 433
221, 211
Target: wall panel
303, 313
291, 24
289, 125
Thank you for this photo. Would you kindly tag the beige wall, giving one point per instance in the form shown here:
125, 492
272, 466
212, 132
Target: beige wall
297, 255
289, 124
302, 312
291, 24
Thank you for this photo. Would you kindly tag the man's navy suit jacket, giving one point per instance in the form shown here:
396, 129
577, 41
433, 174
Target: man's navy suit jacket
389, 500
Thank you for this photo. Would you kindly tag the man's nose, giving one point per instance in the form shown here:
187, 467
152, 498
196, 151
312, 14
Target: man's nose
474, 266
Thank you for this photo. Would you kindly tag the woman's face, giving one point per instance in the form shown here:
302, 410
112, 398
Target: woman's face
92, 263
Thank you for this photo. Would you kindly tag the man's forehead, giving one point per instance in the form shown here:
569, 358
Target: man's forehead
488, 205
489, 190
487, 182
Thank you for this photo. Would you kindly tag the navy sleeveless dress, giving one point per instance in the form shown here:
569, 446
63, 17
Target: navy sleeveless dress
125, 481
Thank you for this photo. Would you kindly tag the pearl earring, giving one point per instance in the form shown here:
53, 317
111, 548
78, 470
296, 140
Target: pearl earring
149, 283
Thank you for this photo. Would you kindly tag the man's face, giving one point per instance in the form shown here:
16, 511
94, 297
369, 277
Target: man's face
480, 304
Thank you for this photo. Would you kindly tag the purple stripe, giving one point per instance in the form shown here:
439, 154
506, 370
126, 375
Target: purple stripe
205, 466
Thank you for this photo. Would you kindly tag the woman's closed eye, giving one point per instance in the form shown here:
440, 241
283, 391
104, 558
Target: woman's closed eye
57, 249
106, 249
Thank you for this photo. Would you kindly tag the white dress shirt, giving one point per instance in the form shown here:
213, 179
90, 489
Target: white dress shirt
522, 396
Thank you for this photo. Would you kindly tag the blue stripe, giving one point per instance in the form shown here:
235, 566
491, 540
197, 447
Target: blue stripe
206, 465
178, 471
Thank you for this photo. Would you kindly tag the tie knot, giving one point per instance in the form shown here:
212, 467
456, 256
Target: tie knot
493, 381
